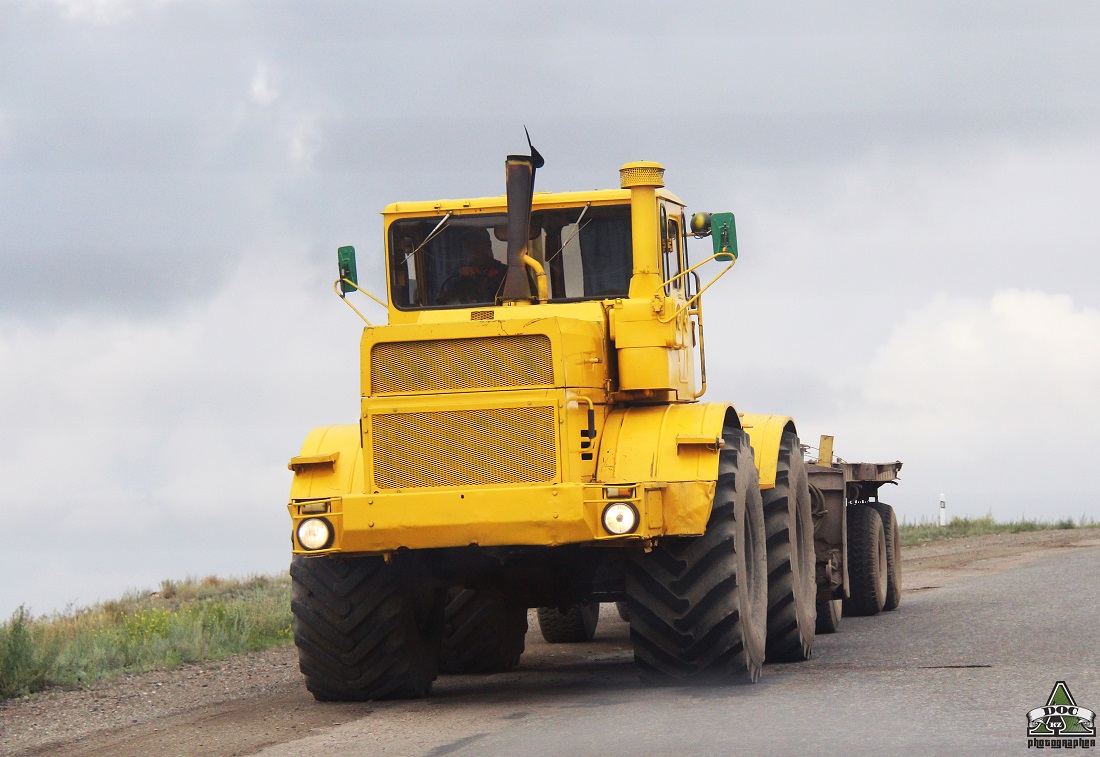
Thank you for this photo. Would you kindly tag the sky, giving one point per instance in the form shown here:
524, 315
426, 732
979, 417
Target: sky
916, 187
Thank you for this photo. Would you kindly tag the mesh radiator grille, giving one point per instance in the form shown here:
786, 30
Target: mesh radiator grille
458, 364
464, 447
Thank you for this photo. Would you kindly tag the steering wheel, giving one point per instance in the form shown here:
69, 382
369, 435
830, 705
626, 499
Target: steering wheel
459, 289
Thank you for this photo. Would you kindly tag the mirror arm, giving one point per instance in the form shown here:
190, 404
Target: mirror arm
698, 294
683, 273
336, 288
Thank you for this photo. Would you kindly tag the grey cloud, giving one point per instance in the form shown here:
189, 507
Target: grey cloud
143, 135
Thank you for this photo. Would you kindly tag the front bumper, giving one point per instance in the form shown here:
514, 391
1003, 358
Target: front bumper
529, 514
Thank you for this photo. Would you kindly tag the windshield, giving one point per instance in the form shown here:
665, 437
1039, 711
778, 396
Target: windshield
586, 252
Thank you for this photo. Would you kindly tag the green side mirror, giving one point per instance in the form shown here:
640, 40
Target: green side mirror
345, 258
724, 236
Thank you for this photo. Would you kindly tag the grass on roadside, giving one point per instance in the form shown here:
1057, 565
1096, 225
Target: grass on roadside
186, 621
928, 531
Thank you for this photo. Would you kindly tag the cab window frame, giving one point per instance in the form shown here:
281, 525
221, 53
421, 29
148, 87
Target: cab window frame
404, 234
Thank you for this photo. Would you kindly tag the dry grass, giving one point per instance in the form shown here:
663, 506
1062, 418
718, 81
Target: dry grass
927, 531
186, 621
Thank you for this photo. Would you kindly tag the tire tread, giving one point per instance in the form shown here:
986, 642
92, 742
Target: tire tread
684, 597
481, 632
569, 625
792, 595
356, 633
867, 593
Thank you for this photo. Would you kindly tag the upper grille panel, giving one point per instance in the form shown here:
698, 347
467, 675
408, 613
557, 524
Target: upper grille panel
447, 365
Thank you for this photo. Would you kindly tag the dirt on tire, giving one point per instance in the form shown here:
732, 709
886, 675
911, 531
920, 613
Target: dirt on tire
894, 582
788, 528
866, 561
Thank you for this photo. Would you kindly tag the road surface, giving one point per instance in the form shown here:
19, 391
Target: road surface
985, 629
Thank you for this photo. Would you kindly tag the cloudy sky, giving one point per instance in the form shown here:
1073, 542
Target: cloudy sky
916, 185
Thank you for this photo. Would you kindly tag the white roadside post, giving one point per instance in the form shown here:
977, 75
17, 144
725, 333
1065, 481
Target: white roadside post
943, 511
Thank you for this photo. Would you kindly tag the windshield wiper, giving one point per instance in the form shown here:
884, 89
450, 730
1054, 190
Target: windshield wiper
572, 236
438, 228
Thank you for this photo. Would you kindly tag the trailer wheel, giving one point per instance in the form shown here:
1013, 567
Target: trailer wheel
893, 554
698, 605
828, 615
792, 582
571, 624
866, 561
364, 630
481, 632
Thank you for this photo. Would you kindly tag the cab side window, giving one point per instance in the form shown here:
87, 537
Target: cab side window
671, 257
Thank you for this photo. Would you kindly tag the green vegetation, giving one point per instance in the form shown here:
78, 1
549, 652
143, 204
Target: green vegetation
185, 621
926, 531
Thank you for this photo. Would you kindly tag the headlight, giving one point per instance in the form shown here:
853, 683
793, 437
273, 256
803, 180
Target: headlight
620, 518
315, 533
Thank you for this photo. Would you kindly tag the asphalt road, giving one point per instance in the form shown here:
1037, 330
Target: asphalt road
952, 671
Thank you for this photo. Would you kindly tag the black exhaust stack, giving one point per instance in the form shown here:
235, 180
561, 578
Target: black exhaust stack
519, 172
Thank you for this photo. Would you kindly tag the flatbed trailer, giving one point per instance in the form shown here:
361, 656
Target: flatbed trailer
844, 497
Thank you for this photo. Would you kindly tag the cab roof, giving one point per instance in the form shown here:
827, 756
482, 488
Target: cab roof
541, 200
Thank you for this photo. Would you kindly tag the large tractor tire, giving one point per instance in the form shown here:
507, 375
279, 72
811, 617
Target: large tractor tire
866, 561
569, 625
792, 582
481, 632
829, 612
698, 605
893, 554
363, 630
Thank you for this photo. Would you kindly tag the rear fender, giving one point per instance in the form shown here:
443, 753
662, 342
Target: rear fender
766, 432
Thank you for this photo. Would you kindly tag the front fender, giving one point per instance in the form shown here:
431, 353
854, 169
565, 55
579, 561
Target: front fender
330, 464
671, 451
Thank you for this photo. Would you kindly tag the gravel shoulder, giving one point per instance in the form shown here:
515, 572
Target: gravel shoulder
246, 703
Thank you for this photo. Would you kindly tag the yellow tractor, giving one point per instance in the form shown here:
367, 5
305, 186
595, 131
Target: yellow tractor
531, 436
